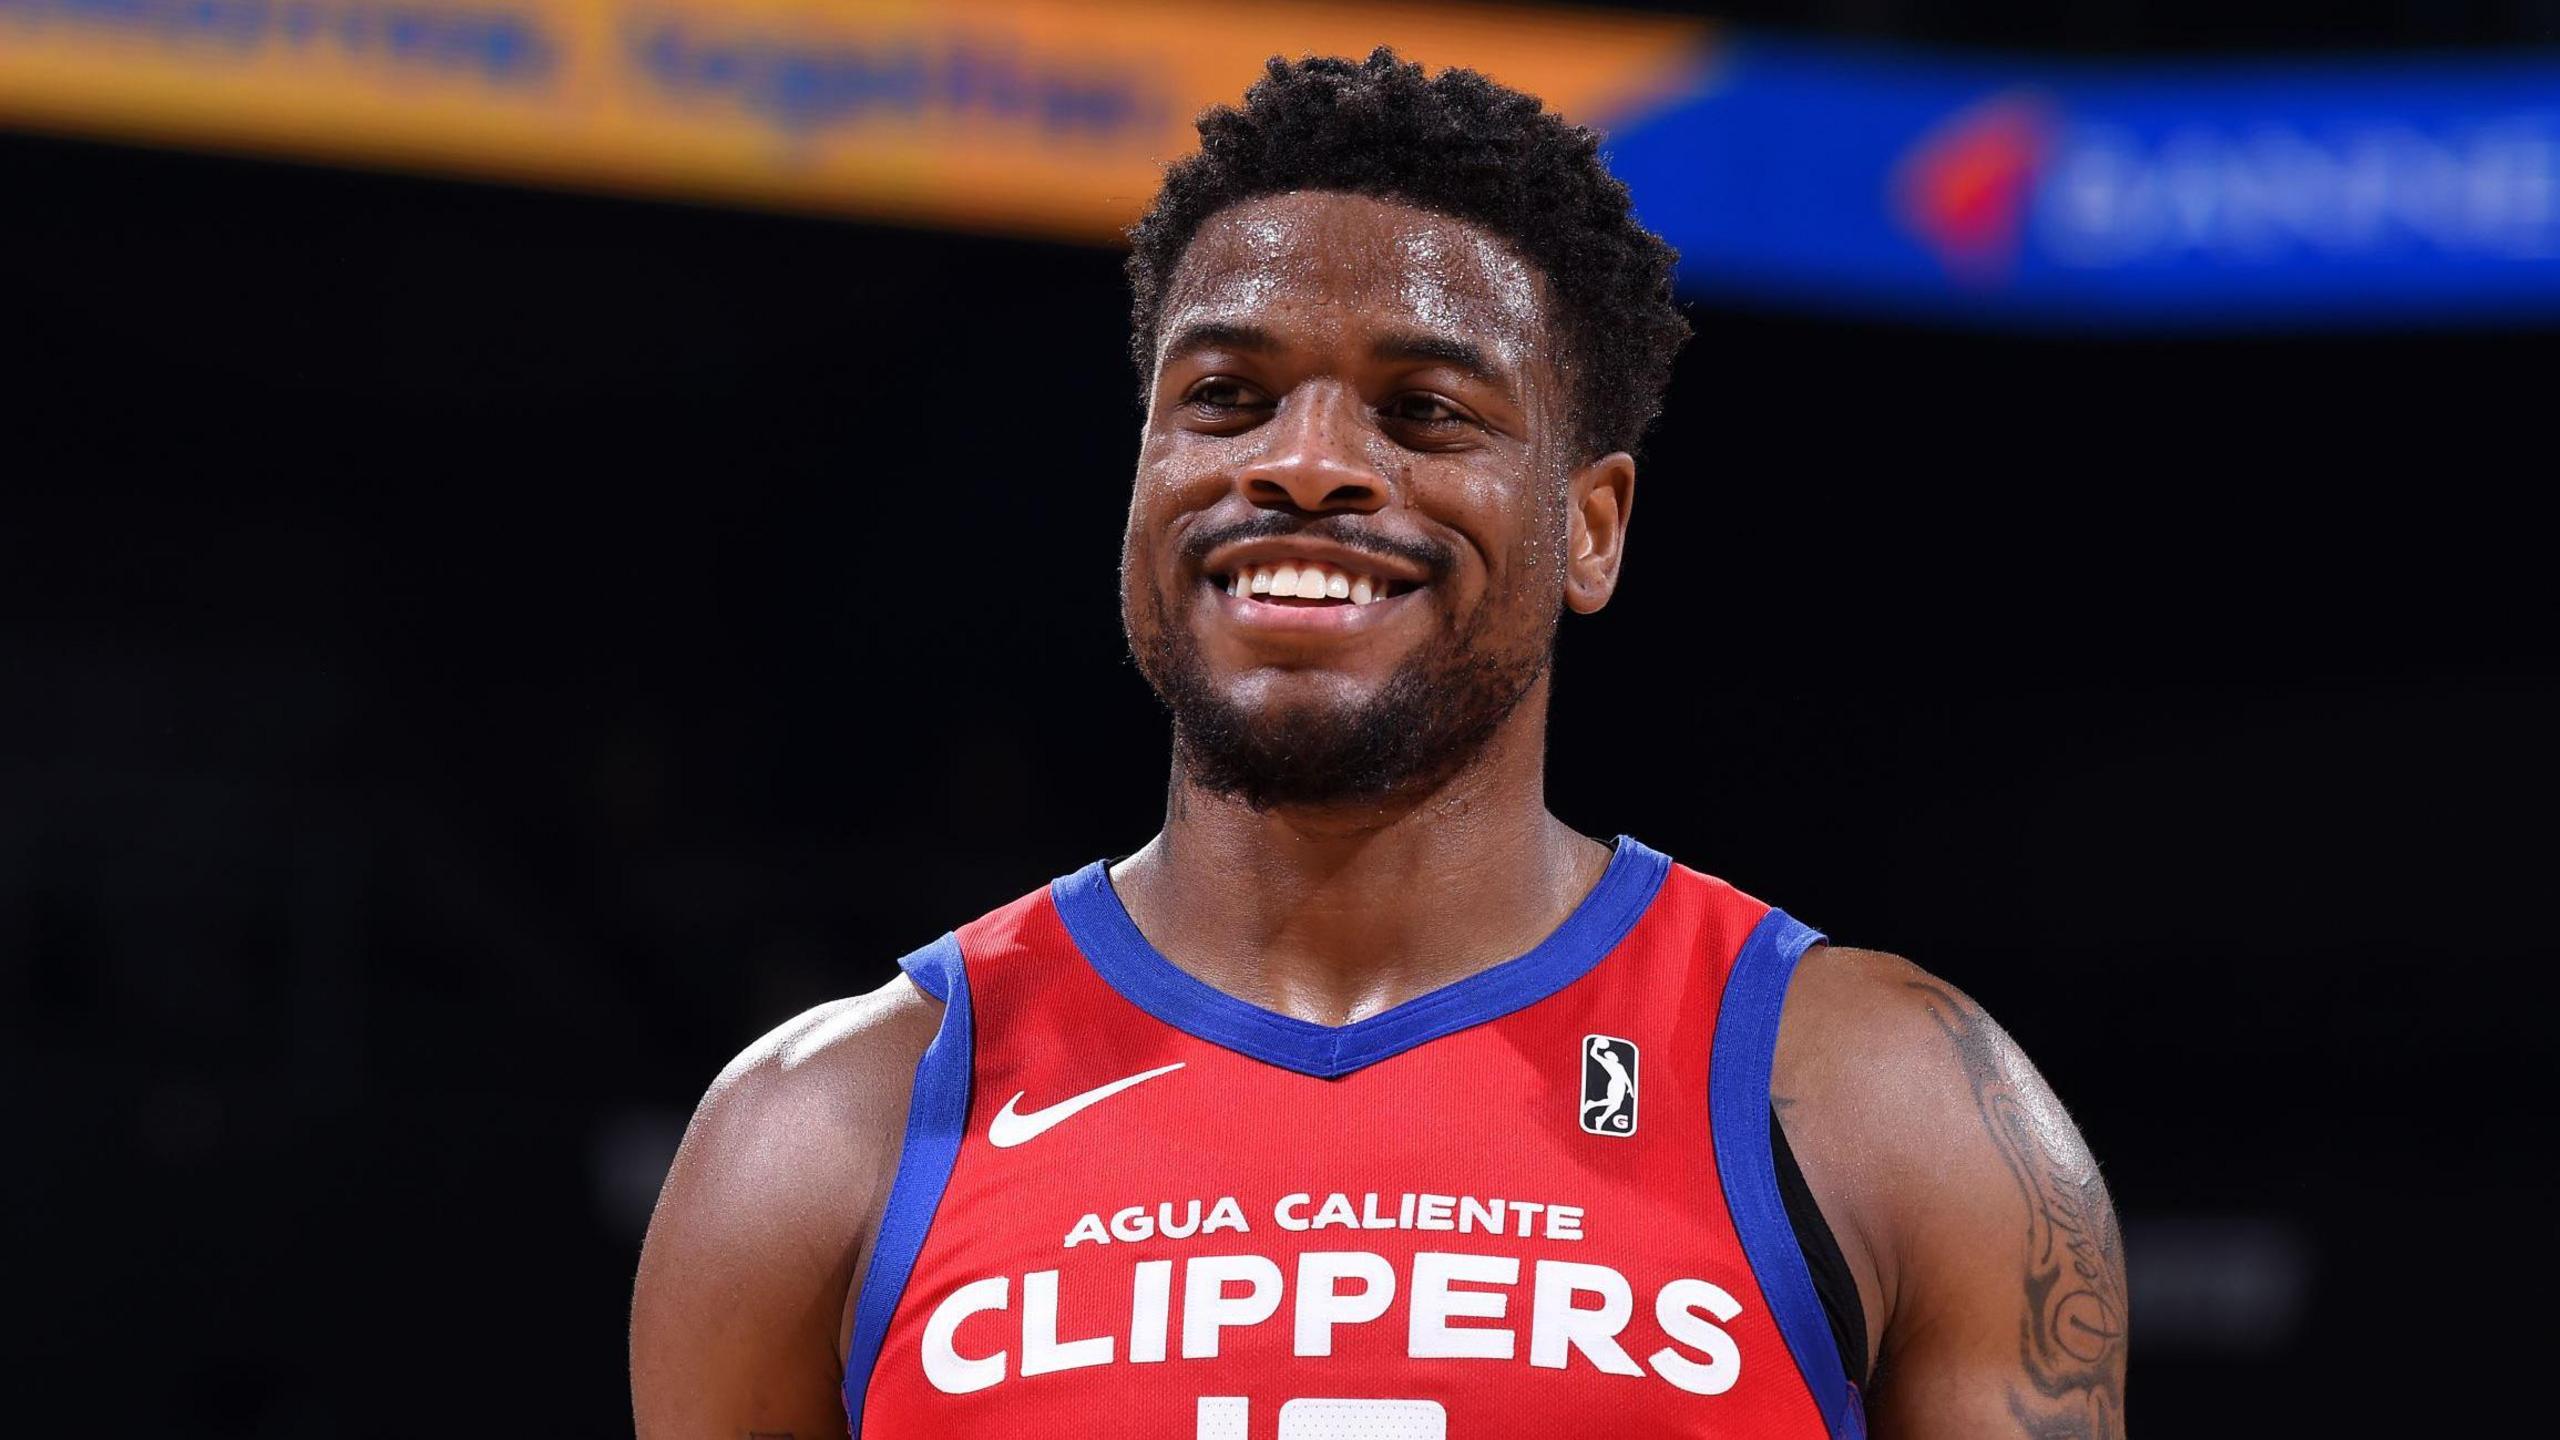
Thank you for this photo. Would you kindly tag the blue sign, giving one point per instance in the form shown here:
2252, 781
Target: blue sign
2109, 195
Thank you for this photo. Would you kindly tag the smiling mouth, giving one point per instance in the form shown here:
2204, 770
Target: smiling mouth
1305, 583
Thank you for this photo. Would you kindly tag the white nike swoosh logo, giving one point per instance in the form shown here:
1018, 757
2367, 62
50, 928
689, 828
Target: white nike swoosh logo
1009, 1129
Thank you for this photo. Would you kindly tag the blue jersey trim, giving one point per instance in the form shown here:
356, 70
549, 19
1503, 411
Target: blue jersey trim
937, 1117
1131, 965
1746, 1048
934, 972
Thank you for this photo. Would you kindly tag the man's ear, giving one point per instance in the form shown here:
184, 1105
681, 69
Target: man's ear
1601, 493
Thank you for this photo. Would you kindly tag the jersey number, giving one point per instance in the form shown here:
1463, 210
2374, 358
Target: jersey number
1223, 1417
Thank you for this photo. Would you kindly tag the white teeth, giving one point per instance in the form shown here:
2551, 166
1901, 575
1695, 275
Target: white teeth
1306, 581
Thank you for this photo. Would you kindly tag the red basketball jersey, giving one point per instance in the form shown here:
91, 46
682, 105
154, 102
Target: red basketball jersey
1539, 1201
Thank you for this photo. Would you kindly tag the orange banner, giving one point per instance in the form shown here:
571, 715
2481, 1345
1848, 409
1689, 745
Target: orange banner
1046, 118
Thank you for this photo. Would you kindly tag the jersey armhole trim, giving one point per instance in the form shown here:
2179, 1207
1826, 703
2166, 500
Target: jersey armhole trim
937, 1118
1746, 1050
931, 972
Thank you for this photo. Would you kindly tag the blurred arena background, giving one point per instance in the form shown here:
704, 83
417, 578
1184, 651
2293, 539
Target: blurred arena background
545, 536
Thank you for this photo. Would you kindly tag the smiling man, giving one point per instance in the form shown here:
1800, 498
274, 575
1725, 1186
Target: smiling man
1368, 1098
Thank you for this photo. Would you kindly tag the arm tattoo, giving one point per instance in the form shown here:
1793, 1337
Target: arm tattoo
2071, 1345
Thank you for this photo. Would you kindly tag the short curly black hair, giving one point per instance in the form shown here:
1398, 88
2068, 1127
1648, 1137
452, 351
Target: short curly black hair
1456, 144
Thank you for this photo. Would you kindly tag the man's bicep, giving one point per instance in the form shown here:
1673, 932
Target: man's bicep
732, 1330
2013, 1321
736, 1313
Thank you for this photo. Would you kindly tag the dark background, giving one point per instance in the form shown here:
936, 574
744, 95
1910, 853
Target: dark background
474, 659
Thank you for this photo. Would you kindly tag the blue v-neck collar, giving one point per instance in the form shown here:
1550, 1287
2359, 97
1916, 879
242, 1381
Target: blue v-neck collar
1130, 964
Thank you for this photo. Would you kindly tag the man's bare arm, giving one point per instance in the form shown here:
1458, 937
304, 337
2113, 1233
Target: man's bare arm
738, 1317
2043, 1322
1994, 1268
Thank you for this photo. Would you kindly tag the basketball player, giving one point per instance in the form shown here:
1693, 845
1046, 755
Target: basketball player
1612, 1103
1274, 1128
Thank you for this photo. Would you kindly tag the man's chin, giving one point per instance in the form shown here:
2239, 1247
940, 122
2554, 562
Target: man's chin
1291, 737
1267, 780
1305, 750
1285, 701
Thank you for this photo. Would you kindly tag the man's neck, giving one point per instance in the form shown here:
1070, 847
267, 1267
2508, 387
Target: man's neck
1335, 913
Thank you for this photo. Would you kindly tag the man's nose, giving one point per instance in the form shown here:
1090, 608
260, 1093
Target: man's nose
1316, 457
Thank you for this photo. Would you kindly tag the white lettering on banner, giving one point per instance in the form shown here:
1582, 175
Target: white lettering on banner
1458, 1306
2112, 196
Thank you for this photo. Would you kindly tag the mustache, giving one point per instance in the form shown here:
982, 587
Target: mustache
1344, 530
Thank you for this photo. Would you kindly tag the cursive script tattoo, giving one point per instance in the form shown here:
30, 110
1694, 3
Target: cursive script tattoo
2071, 1343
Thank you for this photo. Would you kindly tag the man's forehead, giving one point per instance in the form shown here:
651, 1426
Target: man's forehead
1401, 266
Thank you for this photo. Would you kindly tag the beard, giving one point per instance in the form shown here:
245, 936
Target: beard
1429, 719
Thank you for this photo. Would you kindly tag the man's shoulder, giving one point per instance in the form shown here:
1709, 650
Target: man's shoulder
831, 1074
1869, 1001
795, 1144
768, 1209
1883, 1057
1918, 1119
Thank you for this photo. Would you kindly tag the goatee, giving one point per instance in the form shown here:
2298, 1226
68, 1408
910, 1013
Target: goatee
1423, 725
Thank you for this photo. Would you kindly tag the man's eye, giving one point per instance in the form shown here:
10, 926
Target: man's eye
1218, 396
1428, 410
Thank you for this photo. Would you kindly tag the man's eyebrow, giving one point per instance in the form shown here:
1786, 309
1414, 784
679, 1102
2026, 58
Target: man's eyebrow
1407, 346
1449, 350
1221, 335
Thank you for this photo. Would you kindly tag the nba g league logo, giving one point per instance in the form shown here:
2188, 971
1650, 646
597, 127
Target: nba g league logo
1608, 1085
